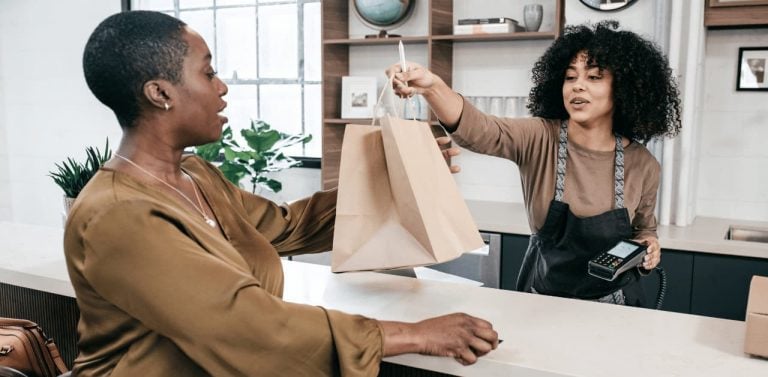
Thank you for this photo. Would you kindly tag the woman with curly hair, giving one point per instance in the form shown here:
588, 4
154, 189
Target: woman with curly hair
588, 182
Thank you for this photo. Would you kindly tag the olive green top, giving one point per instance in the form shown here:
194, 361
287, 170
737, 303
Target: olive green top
161, 293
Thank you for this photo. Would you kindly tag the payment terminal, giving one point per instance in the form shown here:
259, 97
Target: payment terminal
612, 263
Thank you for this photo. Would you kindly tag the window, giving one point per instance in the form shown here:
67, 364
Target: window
268, 53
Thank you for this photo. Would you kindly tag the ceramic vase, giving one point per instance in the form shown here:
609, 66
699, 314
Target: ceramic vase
532, 14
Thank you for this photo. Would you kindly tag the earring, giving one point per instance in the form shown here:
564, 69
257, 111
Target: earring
167, 107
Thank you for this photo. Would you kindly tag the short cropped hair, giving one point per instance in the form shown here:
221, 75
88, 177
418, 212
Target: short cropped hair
128, 49
645, 94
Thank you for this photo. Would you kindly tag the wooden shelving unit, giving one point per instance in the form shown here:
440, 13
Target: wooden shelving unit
335, 56
741, 14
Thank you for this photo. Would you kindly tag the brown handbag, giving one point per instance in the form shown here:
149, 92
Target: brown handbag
24, 347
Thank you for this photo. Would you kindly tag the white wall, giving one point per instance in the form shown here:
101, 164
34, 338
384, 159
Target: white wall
5, 191
47, 112
733, 164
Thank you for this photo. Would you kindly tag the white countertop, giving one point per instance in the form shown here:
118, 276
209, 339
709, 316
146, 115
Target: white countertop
32, 256
543, 336
705, 235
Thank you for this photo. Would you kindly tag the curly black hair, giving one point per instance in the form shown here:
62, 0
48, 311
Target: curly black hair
128, 49
645, 94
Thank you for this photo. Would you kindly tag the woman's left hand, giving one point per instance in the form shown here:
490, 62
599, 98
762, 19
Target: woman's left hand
653, 257
444, 143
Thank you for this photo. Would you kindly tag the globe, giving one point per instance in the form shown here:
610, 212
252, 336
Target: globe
383, 14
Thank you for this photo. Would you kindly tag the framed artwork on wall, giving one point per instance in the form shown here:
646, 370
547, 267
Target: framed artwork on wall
358, 96
752, 64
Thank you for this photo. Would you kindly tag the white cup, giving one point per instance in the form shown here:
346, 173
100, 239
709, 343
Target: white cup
496, 106
482, 104
510, 107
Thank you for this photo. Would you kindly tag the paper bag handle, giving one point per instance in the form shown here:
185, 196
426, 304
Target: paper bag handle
379, 103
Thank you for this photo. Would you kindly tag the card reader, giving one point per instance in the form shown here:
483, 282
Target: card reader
612, 263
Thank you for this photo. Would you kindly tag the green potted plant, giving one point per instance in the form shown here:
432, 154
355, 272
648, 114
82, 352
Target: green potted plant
72, 175
263, 154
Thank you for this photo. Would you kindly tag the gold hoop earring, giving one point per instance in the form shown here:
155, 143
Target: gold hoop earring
167, 107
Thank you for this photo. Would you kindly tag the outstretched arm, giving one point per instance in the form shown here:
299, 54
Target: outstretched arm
446, 103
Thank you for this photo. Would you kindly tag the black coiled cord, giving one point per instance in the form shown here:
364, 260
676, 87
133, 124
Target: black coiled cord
662, 287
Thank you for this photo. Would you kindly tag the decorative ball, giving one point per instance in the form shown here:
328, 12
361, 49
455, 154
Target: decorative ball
383, 13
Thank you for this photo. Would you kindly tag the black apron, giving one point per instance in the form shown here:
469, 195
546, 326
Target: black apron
556, 260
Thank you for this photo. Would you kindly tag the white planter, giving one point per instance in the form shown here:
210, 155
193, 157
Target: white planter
68, 202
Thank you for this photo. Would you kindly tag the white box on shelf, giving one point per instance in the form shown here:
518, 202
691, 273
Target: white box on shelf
358, 96
507, 27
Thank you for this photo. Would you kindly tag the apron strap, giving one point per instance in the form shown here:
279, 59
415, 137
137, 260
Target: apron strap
562, 156
618, 174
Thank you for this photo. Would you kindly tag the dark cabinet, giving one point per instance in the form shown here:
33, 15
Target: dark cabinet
678, 267
713, 285
721, 284
513, 249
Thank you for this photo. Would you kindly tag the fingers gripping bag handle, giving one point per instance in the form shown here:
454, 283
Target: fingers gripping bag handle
385, 105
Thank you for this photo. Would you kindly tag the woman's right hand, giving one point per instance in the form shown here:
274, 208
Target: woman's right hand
416, 79
445, 103
458, 335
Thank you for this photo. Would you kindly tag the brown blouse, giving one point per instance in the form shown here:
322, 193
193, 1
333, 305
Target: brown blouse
532, 144
161, 293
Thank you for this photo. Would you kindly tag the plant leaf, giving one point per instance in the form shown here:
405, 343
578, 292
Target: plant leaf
210, 151
262, 153
233, 172
273, 185
72, 176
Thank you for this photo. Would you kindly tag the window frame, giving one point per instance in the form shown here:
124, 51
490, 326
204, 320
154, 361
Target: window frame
306, 161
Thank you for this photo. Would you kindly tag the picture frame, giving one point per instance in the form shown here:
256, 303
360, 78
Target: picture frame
358, 97
752, 64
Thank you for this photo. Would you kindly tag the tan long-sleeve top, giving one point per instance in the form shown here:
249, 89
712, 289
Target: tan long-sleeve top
589, 180
161, 293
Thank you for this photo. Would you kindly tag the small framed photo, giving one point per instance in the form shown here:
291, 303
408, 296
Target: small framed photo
753, 61
358, 96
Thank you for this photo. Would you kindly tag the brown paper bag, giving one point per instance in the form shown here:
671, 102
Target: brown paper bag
398, 205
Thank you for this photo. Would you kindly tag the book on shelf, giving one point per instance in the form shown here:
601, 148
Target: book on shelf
493, 20
475, 29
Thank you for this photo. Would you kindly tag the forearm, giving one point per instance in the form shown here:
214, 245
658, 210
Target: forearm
398, 338
446, 103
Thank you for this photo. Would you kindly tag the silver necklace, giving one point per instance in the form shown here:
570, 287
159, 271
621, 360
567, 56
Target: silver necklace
207, 219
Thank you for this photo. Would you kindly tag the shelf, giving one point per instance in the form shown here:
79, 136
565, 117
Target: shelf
363, 121
495, 37
736, 15
375, 41
347, 121
456, 38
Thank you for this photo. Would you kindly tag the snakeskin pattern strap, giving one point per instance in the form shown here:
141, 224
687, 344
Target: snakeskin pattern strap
562, 156
618, 174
